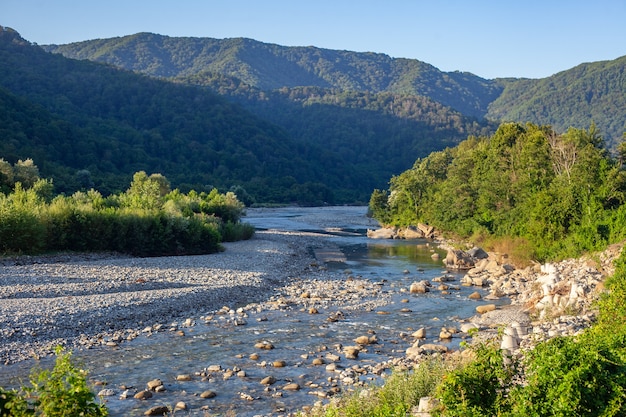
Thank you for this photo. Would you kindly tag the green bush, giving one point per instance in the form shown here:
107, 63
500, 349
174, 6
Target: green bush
401, 392
477, 388
60, 392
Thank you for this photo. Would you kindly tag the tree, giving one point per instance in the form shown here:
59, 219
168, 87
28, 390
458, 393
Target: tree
26, 172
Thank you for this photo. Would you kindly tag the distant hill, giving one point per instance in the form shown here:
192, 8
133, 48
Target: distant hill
269, 67
577, 97
71, 116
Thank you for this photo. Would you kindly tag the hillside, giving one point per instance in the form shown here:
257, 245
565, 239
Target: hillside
269, 67
573, 98
70, 115
117, 122
588, 92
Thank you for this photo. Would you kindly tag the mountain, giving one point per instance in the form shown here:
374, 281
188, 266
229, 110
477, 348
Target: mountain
269, 67
73, 115
334, 149
588, 93
573, 98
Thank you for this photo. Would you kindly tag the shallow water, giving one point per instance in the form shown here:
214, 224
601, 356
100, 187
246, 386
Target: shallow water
298, 337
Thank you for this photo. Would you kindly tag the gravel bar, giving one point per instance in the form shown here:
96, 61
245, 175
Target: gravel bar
79, 300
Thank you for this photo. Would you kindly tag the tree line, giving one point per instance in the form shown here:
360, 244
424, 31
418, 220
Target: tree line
148, 219
553, 195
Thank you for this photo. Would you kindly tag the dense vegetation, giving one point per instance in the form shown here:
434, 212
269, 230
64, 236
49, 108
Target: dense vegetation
77, 116
148, 219
592, 92
576, 97
270, 67
554, 195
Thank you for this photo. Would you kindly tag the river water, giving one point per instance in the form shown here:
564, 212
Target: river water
297, 335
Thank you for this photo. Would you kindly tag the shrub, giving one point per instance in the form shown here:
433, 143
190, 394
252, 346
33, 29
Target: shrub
60, 392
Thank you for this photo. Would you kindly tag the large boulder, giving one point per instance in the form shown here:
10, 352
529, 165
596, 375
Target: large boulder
383, 233
458, 259
427, 231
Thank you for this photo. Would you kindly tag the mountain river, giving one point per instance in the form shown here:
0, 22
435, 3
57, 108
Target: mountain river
296, 334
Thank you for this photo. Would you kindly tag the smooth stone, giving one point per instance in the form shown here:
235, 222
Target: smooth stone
475, 296
254, 356
159, 410
318, 361
444, 334
279, 364
208, 394
268, 380
153, 384
143, 395
180, 406
485, 308
106, 393
183, 378
264, 345
292, 387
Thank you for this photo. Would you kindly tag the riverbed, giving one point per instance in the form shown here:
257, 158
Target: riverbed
349, 287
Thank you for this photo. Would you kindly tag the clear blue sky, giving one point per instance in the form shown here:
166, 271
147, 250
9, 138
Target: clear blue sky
490, 38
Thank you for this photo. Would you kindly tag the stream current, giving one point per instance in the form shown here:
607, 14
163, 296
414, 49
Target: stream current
296, 335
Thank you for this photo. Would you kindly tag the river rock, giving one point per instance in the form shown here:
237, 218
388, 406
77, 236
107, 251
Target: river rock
419, 333
362, 340
458, 259
208, 394
254, 356
268, 380
418, 288
351, 352
264, 345
475, 296
185, 377
182, 406
383, 233
444, 334
485, 308
318, 361
159, 410
428, 231
153, 384
106, 393
143, 395
279, 364
292, 387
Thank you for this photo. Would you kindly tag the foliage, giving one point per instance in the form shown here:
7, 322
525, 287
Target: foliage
559, 193
270, 67
400, 392
146, 220
590, 92
582, 375
88, 125
59, 392
478, 388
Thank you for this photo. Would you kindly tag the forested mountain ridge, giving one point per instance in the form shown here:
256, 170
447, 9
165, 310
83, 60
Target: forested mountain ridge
113, 122
588, 92
74, 115
593, 92
269, 67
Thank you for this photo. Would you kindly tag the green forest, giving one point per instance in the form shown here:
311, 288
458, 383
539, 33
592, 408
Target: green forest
554, 195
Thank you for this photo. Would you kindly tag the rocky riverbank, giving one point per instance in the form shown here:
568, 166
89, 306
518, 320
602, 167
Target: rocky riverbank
87, 301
